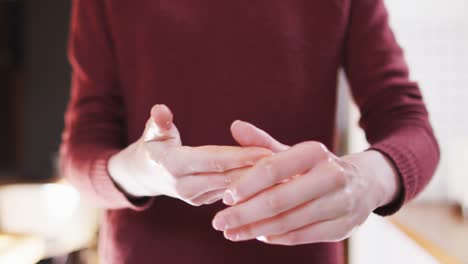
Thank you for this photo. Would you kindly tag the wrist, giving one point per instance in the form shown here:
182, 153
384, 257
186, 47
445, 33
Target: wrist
122, 175
380, 173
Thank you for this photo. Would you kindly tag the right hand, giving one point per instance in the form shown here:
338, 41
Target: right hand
158, 164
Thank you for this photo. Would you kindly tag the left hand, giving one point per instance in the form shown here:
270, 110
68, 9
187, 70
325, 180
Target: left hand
303, 194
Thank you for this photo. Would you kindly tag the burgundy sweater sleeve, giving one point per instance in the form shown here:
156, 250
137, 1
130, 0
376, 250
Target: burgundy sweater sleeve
393, 113
94, 121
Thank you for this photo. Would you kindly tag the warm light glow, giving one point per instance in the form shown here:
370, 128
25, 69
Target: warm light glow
61, 201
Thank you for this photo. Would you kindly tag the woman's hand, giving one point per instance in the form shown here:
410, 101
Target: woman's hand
303, 194
158, 164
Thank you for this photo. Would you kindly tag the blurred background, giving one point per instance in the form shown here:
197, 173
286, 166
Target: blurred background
43, 219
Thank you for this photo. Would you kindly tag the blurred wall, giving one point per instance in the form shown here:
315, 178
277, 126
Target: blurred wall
46, 85
10, 60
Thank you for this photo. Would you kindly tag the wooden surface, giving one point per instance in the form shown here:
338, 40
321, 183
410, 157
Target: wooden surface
380, 241
20, 249
439, 228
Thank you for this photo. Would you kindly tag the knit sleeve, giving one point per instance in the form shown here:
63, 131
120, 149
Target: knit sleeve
94, 121
393, 113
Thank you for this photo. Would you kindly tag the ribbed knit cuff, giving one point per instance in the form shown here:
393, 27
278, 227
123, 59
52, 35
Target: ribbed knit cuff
107, 189
404, 161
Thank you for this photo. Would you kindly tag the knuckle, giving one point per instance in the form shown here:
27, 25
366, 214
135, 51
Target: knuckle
339, 178
269, 168
322, 147
324, 153
317, 148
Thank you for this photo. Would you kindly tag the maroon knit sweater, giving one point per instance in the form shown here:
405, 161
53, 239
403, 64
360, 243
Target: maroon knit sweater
270, 62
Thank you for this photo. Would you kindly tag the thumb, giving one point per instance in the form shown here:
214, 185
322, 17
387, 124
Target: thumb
160, 126
248, 135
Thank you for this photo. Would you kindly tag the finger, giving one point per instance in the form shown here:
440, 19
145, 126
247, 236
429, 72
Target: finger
323, 209
162, 116
193, 186
248, 135
209, 197
281, 198
160, 127
274, 169
193, 160
327, 231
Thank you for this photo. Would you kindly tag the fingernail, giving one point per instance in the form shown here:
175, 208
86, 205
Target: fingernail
219, 223
168, 125
228, 198
238, 121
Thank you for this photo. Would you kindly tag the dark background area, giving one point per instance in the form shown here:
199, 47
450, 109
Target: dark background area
34, 86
